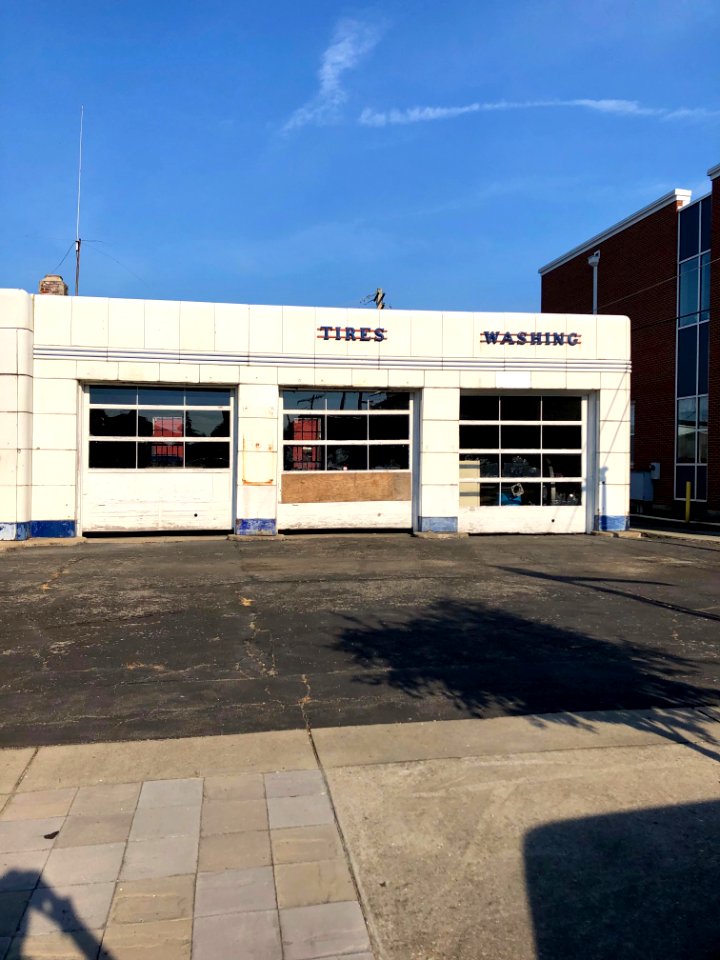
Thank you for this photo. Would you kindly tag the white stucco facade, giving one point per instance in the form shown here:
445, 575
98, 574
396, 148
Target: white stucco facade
544, 377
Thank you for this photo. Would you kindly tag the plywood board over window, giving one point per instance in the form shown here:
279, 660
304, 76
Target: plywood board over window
345, 487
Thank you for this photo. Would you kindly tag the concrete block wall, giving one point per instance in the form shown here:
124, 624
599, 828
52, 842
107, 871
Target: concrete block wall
16, 414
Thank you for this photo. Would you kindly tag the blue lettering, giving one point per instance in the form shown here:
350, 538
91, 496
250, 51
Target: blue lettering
573, 339
365, 333
522, 338
349, 333
337, 333
535, 339
325, 332
380, 334
547, 339
508, 338
491, 337
558, 339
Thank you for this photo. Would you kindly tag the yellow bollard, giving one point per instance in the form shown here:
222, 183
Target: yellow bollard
688, 487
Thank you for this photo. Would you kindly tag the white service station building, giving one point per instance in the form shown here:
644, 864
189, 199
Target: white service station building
141, 415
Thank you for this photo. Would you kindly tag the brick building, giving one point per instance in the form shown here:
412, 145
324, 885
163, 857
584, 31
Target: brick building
655, 266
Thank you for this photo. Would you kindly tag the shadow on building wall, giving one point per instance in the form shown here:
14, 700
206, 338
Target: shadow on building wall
29, 912
643, 885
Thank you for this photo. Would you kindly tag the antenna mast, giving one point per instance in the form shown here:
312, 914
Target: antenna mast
78, 241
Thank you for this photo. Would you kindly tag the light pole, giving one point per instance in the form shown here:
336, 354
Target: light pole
593, 261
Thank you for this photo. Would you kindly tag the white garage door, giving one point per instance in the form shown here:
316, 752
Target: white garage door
157, 458
523, 463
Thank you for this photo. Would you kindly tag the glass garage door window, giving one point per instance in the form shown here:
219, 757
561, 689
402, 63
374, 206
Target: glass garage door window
169, 428
520, 450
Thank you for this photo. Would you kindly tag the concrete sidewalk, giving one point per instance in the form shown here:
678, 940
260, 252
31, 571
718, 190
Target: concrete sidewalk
563, 836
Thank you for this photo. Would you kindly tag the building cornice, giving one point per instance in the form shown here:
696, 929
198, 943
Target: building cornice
678, 197
714, 172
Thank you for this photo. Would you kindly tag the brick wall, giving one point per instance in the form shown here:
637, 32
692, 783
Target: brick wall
636, 276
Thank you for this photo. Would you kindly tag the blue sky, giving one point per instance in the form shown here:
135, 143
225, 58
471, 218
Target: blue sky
306, 153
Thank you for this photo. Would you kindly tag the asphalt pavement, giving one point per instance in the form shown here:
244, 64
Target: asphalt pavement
126, 640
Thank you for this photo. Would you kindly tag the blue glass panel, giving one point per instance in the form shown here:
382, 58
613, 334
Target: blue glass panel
706, 223
703, 358
688, 300
689, 231
687, 362
682, 476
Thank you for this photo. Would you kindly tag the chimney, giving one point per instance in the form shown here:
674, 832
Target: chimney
53, 284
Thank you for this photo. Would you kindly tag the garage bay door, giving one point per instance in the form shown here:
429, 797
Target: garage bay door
157, 458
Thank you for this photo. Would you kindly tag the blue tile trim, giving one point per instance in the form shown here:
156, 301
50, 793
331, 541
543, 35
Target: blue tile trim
252, 526
613, 523
15, 531
438, 524
52, 528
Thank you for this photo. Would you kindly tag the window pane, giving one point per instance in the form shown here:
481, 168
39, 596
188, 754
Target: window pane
706, 223
303, 428
702, 440
479, 494
523, 438
344, 400
390, 457
213, 456
386, 401
113, 423
562, 408
390, 428
160, 454
686, 431
347, 458
519, 408
160, 423
303, 458
207, 423
701, 488
162, 396
562, 465
479, 407
682, 476
562, 494
562, 438
347, 428
689, 231
687, 362
478, 438
520, 495
112, 456
304, 399
688, 302
472, 465
124, 395
207, 398
516, 465
705, 286
703, 357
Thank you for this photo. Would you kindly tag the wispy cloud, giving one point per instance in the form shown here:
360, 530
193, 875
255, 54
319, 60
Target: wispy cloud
352, 40
632, 108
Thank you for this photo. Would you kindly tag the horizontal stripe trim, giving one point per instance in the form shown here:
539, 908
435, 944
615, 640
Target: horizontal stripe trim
530, 364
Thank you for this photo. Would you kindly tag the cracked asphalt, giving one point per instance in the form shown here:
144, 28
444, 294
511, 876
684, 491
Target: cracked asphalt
122, 640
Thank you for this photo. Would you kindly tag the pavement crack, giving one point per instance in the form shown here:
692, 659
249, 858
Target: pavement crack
61, 572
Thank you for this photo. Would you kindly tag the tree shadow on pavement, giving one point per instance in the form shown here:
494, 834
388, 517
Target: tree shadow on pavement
37, 912
490, 662
639, 885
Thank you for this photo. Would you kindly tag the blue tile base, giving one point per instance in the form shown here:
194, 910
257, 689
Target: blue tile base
256, 527
438, 525
53, 528
37, 528
613, 523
